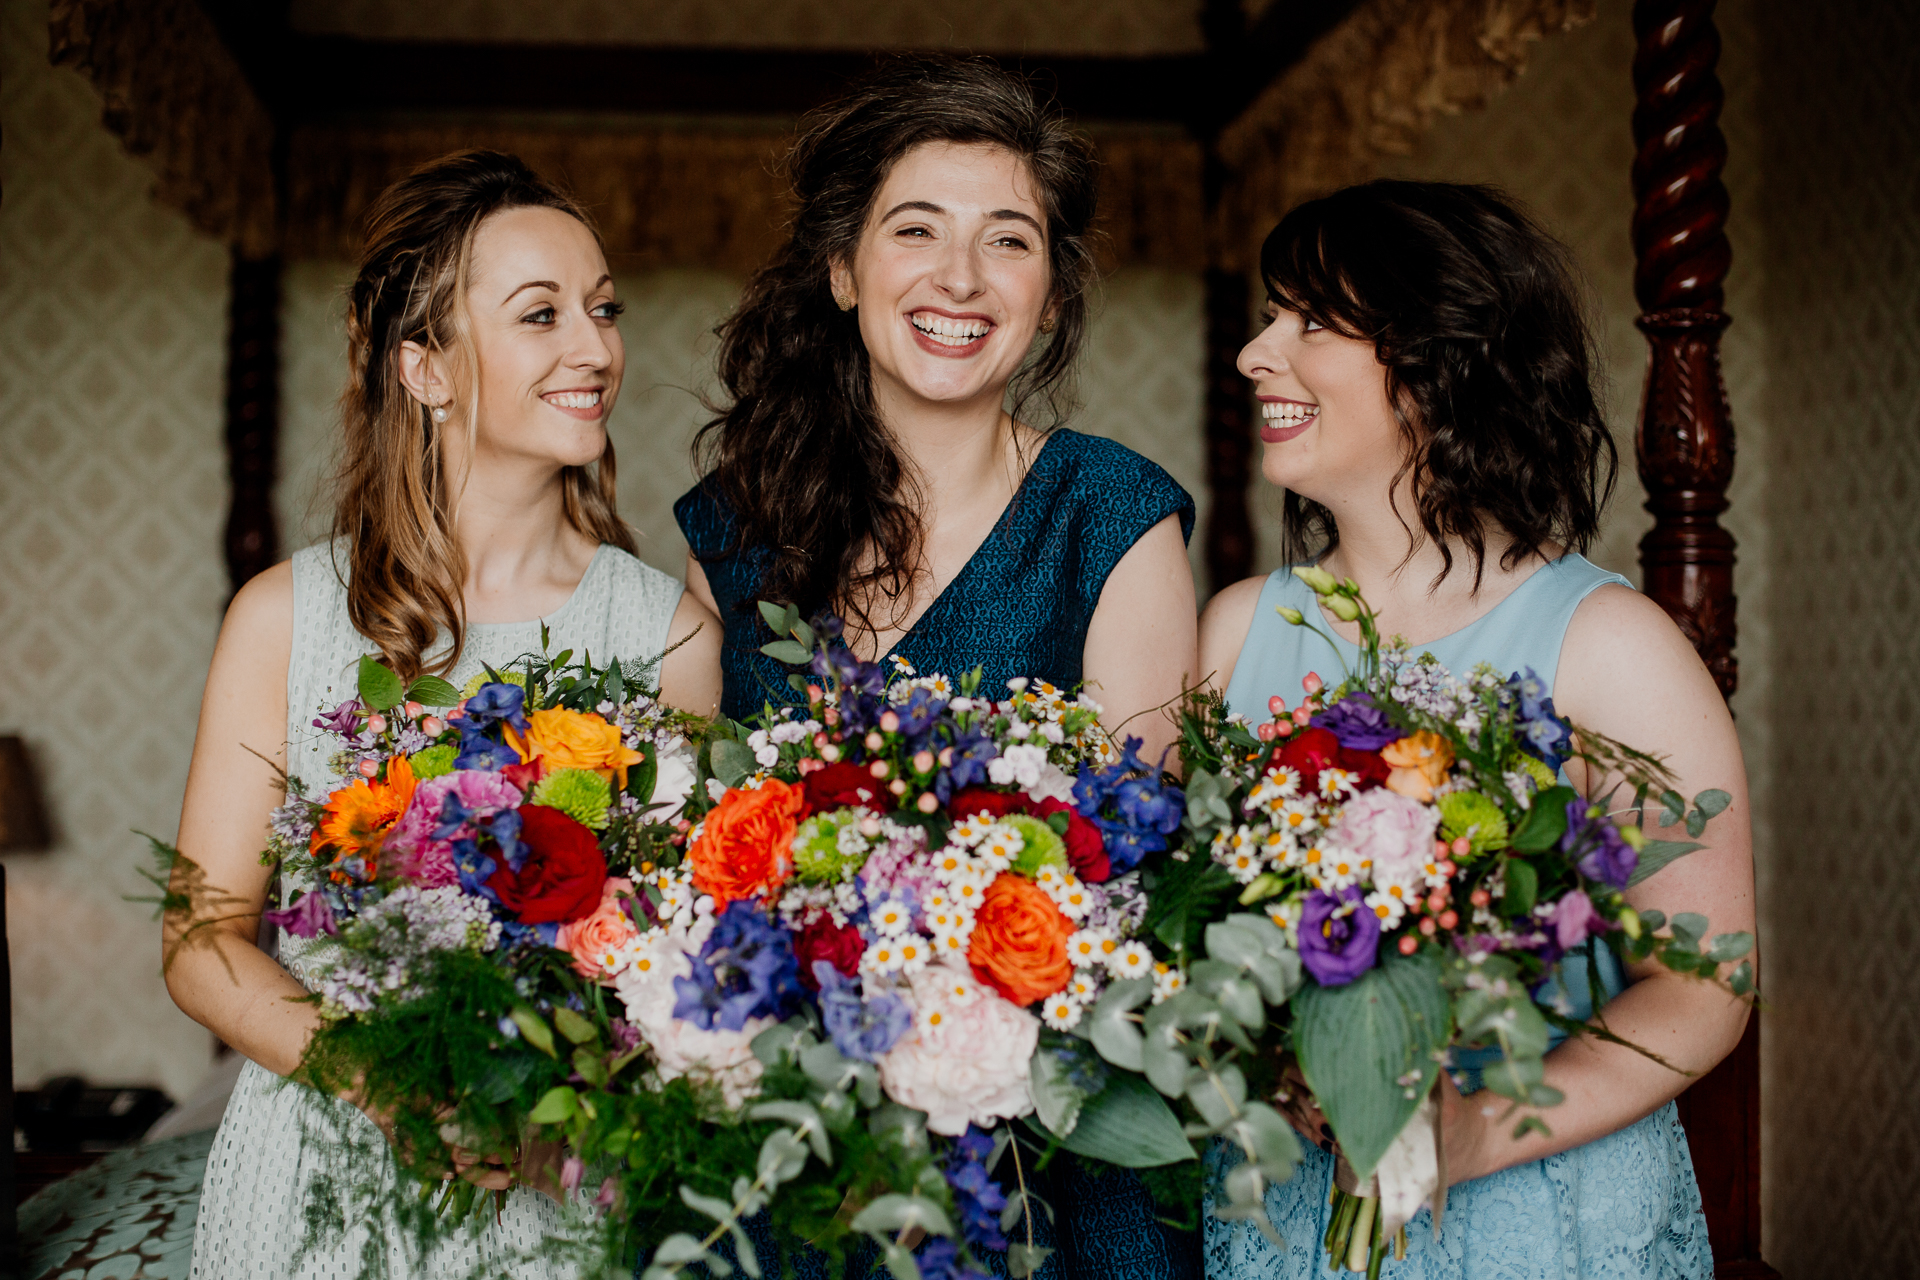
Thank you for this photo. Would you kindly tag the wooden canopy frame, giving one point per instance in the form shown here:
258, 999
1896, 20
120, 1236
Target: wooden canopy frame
240, 117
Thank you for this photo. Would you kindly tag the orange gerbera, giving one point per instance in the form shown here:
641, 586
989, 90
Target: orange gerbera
359, 817
563, 739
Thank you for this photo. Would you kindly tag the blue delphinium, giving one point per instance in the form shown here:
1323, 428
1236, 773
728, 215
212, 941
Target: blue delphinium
976, 1196
480, 744
861, 1029
746, 970
939, 1259
1136, 814
967, 766
1542, 731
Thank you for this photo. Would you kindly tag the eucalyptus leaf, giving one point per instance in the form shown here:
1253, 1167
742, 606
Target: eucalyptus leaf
782, 1157
379, 688
895, 1212
1112, 1031
1689, 927
713, 1206
1741, 979
1130, 1125
1024, 1260
1656, 854
898, 1259
802, 1114
775, 616
1729, 946
1056, 1098
1713, 802
432, 691
1219, 1095
731, 760
1165, 1062
791, 652
1366, 1046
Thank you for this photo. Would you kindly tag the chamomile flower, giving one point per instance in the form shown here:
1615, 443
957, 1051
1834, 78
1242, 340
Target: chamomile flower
1337, 784
1286, 914
1000, 846
1090, 946
915, 951
1297, 818
1130, 960
883, 957
1281, 850
951, 861
1070, 896
1168, 982
1268, 793
891, 917
948, 918
1389, 904
968, 831
959, 987
1232, 842
1243, 865
1085, 986
969, 889
1061, 1013
1339, 869
952, 943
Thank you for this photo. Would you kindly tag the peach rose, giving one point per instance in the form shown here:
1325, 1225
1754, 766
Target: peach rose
1420, 764
1019, 943
745, 847
563, 739
595, 940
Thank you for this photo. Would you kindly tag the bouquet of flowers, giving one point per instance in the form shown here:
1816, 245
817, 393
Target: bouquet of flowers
1421, 873
461, 874
885, 911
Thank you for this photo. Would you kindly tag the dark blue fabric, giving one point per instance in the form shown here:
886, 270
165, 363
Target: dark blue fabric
1020, 607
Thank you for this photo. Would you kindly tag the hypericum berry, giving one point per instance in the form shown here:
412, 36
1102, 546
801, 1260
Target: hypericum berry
1479, 897
830, 753
1409, 944
898, 786
879, 768
376, 723
1268, 732
1462, 847
923, 762
1276, 705
433, 726
1313, 683
368, 768
889, 722
927, 802
1448, 919
874, 742
1428, 928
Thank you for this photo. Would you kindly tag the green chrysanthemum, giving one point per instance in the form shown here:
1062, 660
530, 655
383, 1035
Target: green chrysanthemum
506, 677
1534, 767
579, 793
828, 848
1470, 814
1043, 848
433, 762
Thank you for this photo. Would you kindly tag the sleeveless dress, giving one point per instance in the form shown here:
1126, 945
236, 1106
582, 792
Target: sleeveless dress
253, 1208
1020, 607
1624, 1205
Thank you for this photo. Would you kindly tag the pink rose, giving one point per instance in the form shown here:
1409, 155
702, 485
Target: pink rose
595, 941
1393, 831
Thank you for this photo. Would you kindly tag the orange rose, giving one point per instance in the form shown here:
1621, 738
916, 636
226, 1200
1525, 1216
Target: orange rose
1420, 764
1019, 943
592, 941
563, 739
358, 817
745, 847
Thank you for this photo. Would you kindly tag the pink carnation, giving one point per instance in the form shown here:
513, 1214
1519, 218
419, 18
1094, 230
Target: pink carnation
426, 860
967, 1063
1394, 832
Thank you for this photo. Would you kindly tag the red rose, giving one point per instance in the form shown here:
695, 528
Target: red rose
1308, 752
562, 876
842, 786
840, 945
1372, 769
976, 800
1086, 848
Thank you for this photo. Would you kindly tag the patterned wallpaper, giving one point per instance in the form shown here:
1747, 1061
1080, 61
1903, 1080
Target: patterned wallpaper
1842, 113
1055, 26
113, 488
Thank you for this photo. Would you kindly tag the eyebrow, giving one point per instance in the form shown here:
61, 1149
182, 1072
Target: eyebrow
998, 215
550, 286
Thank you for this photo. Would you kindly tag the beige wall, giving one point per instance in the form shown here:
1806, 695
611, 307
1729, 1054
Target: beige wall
113, 487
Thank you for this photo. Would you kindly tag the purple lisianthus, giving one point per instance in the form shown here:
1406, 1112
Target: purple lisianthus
309, 917
861, 1029
1574, 920
1339, 937
1597, 846
1358, 723
342, 719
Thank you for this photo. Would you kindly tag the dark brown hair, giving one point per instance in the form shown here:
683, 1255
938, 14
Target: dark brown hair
1476, 313
797, 448
392, 503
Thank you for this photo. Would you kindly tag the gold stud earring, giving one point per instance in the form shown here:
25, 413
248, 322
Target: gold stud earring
1047, 325
843, 301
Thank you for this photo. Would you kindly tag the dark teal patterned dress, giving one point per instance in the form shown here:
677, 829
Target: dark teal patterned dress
1020, 607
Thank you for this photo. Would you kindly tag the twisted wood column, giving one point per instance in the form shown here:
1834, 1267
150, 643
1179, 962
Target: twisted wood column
1684, 448
1228, 545
253, 416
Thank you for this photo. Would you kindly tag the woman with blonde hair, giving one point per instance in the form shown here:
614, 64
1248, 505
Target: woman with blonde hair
475, 508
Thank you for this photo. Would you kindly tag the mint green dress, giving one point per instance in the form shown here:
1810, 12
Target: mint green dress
1622, 1207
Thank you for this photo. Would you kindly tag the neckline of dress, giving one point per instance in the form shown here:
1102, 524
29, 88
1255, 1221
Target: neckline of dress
566, 606
999, 527
1457, 632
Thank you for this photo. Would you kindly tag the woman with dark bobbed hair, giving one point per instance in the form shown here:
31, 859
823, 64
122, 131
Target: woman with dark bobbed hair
1425, 383
888, 449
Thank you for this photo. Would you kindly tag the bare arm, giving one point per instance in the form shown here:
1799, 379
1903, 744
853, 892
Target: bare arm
1627, 672
697, 585
224, 981
1140, 647
690, 676
1223, 632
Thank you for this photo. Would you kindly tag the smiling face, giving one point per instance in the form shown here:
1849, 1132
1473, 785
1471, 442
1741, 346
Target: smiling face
951, 275
1326, 424
541, 311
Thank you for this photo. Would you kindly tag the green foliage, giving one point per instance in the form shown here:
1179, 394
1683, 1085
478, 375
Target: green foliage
1545, 822
380, 689
1126, 1124
1183, 897
432, 691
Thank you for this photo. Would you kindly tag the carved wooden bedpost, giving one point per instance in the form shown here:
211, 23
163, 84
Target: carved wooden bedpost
1229, 532
253, 416
1684, 448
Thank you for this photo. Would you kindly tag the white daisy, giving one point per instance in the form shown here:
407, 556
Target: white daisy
1090, 946
1168, 982
892, 917
952, 942
882, 957
915, 951
1130, 960
1389, 904
1071, 897
1061, 1013
1000, 846
1085, 987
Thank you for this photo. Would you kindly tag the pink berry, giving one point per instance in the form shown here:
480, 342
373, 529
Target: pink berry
878, 769
923, 762
946, 757
1313, 683
368, 768
927, 802
1479, 897
1276, 705
1436, 903
433, 726
376, 723
898, 786
1448, 919
815, 693
1302, 717
875, 742
1428, 928
889, 722
1462, 847
1283, 727
1268, 732
1446, 867
1408, 944
413, 710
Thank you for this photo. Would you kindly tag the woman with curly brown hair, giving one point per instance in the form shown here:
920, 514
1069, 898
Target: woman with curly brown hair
475, 510
889, 451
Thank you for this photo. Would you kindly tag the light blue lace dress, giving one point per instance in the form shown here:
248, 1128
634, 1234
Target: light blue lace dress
1625, 1205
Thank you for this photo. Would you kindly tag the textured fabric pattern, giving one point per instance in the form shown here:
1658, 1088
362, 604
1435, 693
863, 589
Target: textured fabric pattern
130, 1215
1020, 607
1625, 1205
253, 1210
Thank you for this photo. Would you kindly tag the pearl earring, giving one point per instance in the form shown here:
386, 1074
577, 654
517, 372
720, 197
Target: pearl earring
439, 413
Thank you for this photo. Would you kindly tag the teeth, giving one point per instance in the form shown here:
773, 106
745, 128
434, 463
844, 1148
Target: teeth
574, 399
1273, 411
952, 333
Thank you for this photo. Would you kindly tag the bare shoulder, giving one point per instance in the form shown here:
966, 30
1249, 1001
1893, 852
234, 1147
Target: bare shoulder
1623, 657
260, 619
1224, 626
690, 675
